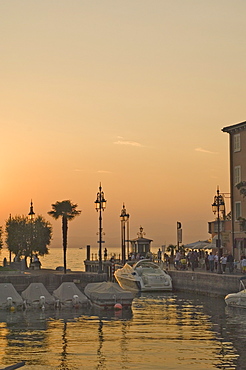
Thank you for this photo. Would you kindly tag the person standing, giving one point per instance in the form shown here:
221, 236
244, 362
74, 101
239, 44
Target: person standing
211, 262
193, 260
243, 264
216, 261
177, 260
159, 255
223, 263
206, 261
230, 262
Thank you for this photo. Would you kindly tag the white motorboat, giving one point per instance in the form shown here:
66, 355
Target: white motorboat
237, 299
108, 295
143, 276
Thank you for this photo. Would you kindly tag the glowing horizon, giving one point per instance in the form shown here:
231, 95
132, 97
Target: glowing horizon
132, 95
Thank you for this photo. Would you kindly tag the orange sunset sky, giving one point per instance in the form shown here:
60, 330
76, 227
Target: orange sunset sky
132, 94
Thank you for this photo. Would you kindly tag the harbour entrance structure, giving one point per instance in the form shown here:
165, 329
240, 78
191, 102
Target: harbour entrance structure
141, 245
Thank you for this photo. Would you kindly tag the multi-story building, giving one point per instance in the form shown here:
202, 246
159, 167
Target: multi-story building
237, 140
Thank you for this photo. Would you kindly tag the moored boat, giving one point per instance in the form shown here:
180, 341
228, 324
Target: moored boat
68, 295
108, 295
237, 299
37, 296
143, 275
9, 297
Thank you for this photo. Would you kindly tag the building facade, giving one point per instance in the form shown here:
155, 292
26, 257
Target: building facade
237, 150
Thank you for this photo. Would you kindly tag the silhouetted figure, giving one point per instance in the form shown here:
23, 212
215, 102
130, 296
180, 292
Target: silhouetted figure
230, 262
105, 254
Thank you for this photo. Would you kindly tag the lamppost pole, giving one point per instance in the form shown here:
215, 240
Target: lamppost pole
31, 216
100, 204
124, 217
217, 207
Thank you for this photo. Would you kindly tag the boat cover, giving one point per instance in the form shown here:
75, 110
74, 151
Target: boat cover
7, 290
33, 293
66, 292
107, 291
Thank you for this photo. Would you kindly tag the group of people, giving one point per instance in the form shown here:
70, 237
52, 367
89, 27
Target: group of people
193, 259
212, 262
183, 262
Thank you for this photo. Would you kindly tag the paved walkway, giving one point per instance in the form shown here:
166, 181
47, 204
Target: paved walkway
201, 270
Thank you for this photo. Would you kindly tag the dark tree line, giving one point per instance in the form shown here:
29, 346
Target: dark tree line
26, 237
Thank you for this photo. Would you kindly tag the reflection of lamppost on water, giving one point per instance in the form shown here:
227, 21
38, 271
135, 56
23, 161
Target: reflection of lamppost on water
100, 205
218, 207
124, 217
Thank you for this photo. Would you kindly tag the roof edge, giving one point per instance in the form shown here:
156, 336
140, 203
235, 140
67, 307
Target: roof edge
236, 127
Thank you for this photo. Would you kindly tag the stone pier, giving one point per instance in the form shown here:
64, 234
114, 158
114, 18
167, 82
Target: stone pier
51, 279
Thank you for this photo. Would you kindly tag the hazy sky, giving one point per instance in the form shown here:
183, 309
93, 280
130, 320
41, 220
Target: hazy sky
130, 93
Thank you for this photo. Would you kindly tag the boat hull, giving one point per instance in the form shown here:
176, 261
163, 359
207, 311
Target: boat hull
145, 276
236, 299
107, 295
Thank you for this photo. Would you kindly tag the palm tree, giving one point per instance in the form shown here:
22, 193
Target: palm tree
67, 211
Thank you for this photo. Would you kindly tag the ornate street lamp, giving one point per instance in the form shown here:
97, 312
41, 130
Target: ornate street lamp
124, 217
31, 214
100, 205
218, 207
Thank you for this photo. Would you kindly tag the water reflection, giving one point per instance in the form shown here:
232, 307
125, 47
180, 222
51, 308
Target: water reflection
63, 365
101, 357
167, 330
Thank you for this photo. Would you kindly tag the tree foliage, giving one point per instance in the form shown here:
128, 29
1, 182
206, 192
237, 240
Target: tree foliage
1, 237
67, 211
171, 248
25, 237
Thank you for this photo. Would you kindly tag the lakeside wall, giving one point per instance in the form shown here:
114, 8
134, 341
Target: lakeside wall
199, 282
51, 280
205, 283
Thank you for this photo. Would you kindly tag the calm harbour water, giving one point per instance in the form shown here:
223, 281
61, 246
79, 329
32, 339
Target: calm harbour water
163, 331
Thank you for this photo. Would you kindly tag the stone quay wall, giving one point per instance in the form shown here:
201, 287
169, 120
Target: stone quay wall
199, 282
205, 283
51, 280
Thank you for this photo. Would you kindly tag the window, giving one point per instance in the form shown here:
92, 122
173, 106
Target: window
237, 175
237, 210
237, 143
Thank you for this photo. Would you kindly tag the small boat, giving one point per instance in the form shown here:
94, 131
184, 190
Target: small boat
37, 296
143, 276
16, 366
68, 295
108, 295
9, 298
237, 299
